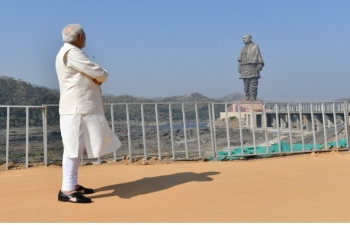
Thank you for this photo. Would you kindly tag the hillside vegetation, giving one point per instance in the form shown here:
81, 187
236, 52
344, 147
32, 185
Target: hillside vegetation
19, 92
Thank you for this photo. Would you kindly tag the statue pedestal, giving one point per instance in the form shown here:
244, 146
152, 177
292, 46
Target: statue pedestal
245, 106
248, 101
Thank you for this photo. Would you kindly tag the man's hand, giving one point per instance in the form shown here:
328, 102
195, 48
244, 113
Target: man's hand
96, 82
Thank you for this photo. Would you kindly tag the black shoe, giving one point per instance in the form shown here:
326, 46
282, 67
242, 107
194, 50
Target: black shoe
67, 198
84, 190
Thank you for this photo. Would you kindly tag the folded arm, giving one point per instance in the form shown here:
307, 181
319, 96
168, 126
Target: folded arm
78, 60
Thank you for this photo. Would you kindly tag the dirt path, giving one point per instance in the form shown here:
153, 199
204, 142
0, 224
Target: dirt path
303, 188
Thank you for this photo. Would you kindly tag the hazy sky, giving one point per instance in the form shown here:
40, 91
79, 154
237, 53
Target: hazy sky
161, 48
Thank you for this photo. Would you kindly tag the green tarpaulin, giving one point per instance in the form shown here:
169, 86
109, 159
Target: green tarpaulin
275, 148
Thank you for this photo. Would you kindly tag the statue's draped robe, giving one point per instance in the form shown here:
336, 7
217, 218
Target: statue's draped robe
249, 60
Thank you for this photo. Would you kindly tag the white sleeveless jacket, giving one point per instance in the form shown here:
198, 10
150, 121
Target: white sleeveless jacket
78, 92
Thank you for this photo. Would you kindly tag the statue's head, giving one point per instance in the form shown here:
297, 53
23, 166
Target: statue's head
247, 39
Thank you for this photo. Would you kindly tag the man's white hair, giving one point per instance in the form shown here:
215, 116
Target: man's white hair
70, 32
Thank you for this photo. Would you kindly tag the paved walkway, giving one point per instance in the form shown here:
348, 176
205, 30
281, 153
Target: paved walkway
303, 188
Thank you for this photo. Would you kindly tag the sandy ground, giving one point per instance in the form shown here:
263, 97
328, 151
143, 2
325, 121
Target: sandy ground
301, 188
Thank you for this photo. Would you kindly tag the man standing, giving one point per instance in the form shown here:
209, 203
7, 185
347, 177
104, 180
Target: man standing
82, 120
250, 65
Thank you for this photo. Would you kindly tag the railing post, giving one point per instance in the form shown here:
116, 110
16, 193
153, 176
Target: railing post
313, 126
143, 133
278, 129
335, 126
7, 137
252, 117
290, 128
211, 130
27, 137
214, 127
157, 127
240, 127
198, 137
266, 130
184, 128
346, 122
324, 125
128, 127
301, 126
227, 132
113, 129
171, 130
44, 119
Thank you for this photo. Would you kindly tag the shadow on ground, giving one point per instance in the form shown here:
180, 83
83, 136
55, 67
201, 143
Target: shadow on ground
152, 184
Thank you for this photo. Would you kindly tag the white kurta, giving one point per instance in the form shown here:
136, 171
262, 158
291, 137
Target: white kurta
81, 107
93, 130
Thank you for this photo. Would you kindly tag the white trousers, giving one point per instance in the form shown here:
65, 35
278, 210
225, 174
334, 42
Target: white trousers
79, 132
70, 172
70, 165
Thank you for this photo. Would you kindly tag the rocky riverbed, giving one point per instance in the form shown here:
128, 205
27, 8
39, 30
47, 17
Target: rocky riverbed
166, 145
140, 144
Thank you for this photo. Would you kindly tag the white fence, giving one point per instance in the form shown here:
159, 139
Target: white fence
182, 130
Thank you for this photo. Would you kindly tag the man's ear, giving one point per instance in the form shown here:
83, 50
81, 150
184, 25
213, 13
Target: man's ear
80, 36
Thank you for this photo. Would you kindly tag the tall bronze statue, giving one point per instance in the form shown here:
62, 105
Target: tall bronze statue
250, 65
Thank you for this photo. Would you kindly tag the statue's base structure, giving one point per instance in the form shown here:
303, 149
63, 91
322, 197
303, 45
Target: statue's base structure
249, 101
248, 112
245, 106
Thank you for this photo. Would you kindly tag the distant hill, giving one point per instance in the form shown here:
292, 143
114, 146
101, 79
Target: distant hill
342, 100
193, 97
124, 99
19, 92
232, 97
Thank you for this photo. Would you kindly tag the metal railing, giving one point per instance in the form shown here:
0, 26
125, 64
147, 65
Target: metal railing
135, 123
317, 107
